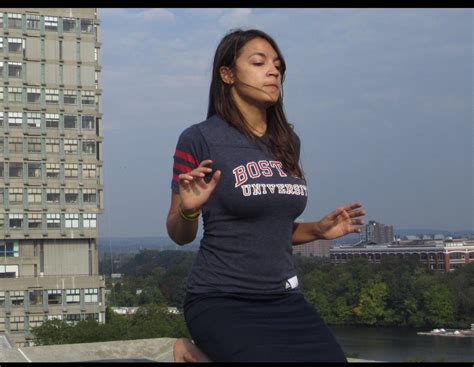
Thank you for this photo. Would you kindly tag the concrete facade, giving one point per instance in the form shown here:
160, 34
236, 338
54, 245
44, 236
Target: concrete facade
51, 180
314, 248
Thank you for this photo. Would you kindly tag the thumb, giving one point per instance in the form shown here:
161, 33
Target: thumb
215, 179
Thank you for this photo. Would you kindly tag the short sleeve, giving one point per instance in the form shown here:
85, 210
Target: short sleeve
191, 149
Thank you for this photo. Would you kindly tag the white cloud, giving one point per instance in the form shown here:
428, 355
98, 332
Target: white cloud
156, 15
236, 18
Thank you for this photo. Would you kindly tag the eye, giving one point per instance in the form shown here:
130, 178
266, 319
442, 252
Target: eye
257, 63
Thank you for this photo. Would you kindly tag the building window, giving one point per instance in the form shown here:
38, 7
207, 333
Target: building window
2, 220
9, 271
89, 196
34, 145
52, 120
34, 220
15, 45
87, 26
52, 95
73, 318
70, 96
33, 119
32, 21
88, 146
14, 20
70, 146
2, 146
2, 304
16, 170
14, 95
34, 170
15, 145
52, 145
88, 122
9, 249
17, 323
1, 45
51, 23
70, 121
89, 220
1, 62
14, 69
1, 88
1, 169
15, 195
1, 196
91, 295
71, 196
71, 170
36, 297
36, 320
71, 220
52, 170
55, 297
88, 97
93, 316
1, 115
53, 220
73, 295
34, 196
16, 221
33, 95
69, 24
52, 196
55, 317
15, 119
89, 171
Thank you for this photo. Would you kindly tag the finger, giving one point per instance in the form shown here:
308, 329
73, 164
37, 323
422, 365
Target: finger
352, 206
196, 174
358, 222
335, 213
203, 169
215, 179
205, 162
185, 176
357, 213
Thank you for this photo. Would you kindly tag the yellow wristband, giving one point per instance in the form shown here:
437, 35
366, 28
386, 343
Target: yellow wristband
189, 217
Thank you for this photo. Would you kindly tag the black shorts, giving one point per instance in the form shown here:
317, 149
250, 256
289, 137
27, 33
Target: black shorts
282, 328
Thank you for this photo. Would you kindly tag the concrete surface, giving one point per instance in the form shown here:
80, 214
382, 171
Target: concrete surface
140, 350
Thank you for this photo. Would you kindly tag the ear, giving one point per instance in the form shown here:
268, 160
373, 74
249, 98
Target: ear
226, 75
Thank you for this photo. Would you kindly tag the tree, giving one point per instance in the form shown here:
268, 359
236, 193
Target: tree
372, 302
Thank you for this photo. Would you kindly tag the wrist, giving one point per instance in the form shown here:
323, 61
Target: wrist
317, 232
190, 215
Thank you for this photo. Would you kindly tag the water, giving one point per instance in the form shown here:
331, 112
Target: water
402, 345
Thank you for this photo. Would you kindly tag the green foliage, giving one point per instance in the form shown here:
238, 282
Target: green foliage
150, 321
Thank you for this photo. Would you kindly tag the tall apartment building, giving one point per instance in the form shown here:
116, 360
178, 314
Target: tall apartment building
51, 188
376, 233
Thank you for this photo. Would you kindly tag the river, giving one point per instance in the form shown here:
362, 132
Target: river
402, 345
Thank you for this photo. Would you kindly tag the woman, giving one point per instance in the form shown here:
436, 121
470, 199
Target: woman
240, 169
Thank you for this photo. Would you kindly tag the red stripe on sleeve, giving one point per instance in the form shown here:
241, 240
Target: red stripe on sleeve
182, 167
186, 156
175, 177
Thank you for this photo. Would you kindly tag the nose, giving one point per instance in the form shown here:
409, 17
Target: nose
273, 71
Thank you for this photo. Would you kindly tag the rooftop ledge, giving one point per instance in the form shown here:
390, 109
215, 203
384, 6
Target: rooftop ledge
140, 350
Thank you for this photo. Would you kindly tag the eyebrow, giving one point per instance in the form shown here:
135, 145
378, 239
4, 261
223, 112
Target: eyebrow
264, 55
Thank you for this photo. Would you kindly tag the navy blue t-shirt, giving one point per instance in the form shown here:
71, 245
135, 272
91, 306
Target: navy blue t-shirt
248, 219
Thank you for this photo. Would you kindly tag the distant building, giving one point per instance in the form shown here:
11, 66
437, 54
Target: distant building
50, 168
376, 233
437, 255
314, 248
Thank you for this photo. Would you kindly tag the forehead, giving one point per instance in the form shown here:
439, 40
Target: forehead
258, 45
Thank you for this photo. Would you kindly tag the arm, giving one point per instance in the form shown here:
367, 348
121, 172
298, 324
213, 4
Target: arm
338, 223
179, 229
193, 193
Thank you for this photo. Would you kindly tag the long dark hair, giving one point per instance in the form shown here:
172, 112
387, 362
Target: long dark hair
221, 103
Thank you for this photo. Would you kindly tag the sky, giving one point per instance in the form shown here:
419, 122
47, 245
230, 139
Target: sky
381, 99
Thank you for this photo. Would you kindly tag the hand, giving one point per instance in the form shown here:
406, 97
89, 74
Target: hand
341, 221
193, 190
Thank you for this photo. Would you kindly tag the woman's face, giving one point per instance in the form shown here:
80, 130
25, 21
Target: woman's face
256, 78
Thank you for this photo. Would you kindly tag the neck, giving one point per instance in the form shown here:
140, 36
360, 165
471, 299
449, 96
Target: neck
255, 116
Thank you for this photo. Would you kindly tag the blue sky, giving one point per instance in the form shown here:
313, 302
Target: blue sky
381, 99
